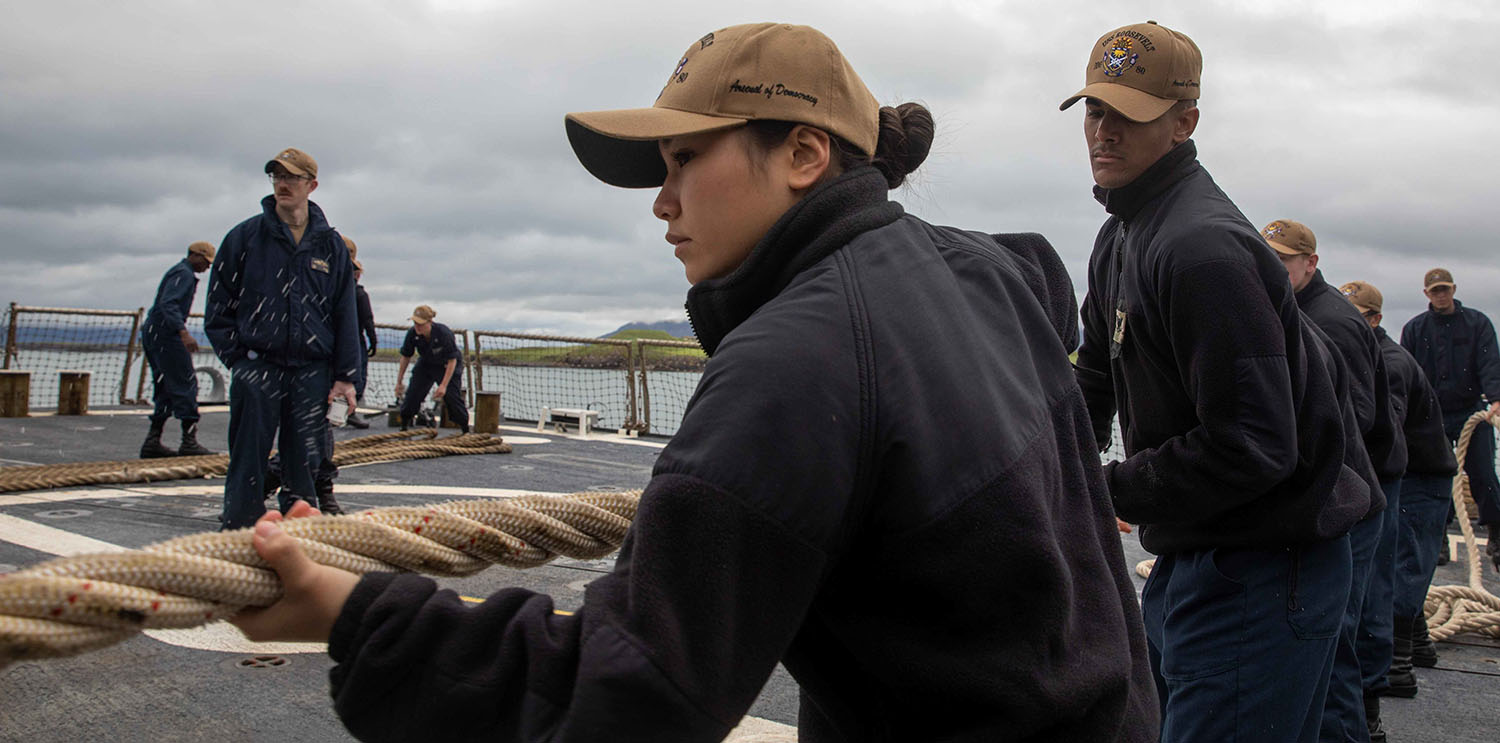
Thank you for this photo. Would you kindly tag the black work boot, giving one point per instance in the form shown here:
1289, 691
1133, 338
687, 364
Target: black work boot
1372, 719
355, 421
190, 446
1423, 649
153, 448
1400, 679
326, 502
272, 484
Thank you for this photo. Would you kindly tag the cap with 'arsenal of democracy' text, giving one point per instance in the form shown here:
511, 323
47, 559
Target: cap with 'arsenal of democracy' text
758, 71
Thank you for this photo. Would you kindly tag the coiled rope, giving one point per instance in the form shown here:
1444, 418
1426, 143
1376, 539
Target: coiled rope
1450, 609
1454, 609
421, 443
72, 605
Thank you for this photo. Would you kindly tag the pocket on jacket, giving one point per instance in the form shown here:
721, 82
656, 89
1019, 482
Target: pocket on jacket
258, 320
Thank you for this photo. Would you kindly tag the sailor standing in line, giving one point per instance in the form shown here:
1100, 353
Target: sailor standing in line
368, 340
1233, 425
1424, 501
438, 357
1364, 654
281, 316
169, 347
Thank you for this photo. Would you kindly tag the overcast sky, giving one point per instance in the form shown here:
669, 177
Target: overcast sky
129, 130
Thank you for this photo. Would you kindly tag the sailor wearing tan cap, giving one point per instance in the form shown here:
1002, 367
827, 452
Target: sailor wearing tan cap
1424, 497
1456, 347
1233, 428
169, 348
1365, 641
281, 316
438, 354
885, 454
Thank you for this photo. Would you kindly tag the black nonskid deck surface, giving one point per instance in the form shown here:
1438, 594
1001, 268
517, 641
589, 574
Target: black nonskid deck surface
151, 690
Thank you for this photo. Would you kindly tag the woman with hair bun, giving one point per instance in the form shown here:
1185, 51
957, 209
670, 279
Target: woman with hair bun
886, 478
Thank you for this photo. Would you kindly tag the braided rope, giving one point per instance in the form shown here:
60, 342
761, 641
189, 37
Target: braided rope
72, 605
395, 446
1454, 609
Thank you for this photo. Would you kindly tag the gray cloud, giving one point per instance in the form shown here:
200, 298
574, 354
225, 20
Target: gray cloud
129, 130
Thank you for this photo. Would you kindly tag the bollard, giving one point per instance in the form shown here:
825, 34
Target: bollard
487, 411
15, 393
72, 392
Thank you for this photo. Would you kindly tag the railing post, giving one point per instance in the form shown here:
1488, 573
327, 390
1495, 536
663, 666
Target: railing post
135, 327
632, 355
469, 370
10, 337
478, 362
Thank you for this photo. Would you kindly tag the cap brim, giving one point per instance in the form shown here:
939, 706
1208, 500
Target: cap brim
1439, 283
619, 147
1285, 249
1133, 104
290, 168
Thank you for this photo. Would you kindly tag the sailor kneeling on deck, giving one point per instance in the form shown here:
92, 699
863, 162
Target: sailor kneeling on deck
437, 359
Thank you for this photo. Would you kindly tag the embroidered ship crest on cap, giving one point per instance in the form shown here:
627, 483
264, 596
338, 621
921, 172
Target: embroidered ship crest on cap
1119, 57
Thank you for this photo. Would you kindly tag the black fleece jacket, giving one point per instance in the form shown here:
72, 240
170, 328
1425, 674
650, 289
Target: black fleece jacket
1415, 407
1458, 353
885, 479
1233, 430
1369, 384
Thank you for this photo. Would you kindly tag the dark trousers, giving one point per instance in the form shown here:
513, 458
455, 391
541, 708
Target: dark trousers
1479, 464
1344, 709
1376, 642
1242, 640
265, 398
364, 371
174, 384
1425, 500
324, 477
422, 380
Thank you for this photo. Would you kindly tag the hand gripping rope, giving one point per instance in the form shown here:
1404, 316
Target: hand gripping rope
1450, 609
72, 605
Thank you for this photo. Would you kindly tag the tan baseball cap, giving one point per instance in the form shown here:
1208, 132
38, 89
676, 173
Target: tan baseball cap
202, 248
295, 161
1437, 277
1363, 295
769, 71
422, 314
358, 266
1290, 238
353, 249
1141, 70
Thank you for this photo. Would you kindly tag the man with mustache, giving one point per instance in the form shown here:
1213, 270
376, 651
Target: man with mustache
1234, 431
281, 316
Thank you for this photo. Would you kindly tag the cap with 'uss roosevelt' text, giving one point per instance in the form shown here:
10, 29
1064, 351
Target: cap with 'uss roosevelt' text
1437, 277
1363, 295
295, 161
1290, 238
1141, 70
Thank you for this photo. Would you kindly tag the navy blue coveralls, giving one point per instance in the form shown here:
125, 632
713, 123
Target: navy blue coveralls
1457, 353
281, 316
433, 353
174, 385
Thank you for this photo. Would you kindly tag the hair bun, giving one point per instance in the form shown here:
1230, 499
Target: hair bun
906, 133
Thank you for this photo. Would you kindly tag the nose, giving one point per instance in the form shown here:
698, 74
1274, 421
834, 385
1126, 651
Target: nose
666, 207
1108, 128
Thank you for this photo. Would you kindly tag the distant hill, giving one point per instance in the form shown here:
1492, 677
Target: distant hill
674, 328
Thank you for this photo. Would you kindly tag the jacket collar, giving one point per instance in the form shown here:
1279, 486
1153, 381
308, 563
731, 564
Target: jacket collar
822, 222
1313, 289
1458, 309
1124, 202
316, 222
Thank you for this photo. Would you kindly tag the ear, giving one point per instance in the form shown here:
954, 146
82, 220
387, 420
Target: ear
313, 186
1185, 125
811, 152
1312, 263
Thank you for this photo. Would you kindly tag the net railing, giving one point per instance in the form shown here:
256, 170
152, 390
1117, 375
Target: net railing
667, 373
213, 376
532, 372
48, 340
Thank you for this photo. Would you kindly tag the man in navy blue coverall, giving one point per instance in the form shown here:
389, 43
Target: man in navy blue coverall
281, 316
169, 348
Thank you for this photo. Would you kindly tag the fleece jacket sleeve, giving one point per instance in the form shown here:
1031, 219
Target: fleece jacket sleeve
674, 644
1230, 350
